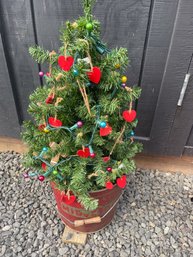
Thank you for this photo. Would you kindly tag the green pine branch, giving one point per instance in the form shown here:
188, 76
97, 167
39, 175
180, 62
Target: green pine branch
39, 54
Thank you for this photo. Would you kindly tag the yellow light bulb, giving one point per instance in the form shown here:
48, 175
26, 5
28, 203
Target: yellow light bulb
117, 66
46, 130
124, 79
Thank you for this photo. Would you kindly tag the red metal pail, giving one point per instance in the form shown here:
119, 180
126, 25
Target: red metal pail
79, 219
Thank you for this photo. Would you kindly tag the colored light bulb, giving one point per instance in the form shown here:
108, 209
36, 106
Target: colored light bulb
124, 79
41, 74
92, 155
75, 72
79, 124
103, 124
41, 178
55, 172
89, 26
109, 169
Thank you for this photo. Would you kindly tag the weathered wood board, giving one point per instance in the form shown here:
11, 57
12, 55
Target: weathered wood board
164, 139
186, 118
161, 26
18, 32
71, 236
9, 123
169, 52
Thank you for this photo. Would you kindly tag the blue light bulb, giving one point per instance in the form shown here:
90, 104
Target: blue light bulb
103, 124
75, 72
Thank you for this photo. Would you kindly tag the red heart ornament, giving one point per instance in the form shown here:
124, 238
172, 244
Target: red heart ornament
44, 167
49, 99
68, 199
54, 122
105, 131
94, 75
129, 116
109, 185
65, 62
106, 158
122, 181
83, 153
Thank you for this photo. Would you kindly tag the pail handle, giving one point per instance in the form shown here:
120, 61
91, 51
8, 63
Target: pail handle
97, 219
78, 223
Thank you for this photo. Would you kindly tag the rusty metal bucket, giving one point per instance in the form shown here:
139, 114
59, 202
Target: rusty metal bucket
79, 219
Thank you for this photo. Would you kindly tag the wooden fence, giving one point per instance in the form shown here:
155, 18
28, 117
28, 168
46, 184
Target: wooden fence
158, 35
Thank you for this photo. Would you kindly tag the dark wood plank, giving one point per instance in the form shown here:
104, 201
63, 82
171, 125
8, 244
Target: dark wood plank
8, 118
188, 150
190, 139
178, 58
123, 23
159, 36
181, 133
19, 35
50, 16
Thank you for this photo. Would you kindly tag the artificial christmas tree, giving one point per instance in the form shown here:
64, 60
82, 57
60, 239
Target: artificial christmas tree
81, 136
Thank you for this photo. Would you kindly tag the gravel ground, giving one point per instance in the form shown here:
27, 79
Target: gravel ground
154, 217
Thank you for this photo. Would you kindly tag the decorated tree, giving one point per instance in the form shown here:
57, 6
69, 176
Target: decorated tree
81, 136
